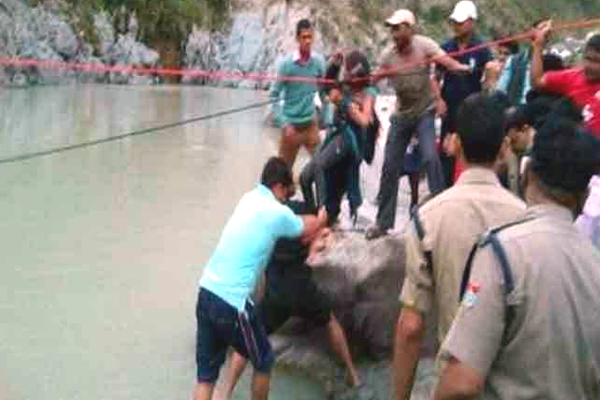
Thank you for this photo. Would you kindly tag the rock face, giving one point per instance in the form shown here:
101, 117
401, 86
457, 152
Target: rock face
259, 36
254, 43
43, 34
363, 280
260, 32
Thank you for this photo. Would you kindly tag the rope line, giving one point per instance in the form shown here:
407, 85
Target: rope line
140, 132
194, 72
525, 35
100, 68
19, 62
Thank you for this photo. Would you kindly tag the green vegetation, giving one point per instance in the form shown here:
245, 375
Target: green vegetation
165, 24
503, 17
514, 16
159, 21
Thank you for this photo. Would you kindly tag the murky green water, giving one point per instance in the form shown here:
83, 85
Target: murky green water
101, 248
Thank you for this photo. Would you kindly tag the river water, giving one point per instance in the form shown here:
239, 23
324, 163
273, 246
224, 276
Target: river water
102, 247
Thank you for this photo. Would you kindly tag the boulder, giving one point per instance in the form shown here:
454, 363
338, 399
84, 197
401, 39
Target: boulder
105, 33
254, 43
245, 42
12, 7
204, 51
127, 52
49, 28
363, 281
43, 34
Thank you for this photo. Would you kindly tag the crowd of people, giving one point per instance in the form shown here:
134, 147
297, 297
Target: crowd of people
506, 249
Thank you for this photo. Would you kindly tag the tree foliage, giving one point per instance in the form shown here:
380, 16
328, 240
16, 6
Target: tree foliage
158, 19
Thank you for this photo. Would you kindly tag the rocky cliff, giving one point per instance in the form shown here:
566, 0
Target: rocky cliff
249, 39
43, 33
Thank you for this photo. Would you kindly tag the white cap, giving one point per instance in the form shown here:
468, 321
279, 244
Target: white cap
464, 10
401, 16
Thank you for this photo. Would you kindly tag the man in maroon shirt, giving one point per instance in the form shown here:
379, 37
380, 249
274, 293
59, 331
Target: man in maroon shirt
581, 84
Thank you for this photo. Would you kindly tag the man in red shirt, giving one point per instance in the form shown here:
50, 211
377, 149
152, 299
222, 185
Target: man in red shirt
581, 84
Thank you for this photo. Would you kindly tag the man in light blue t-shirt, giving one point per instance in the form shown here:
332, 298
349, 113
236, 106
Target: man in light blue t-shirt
225, 315
297, 84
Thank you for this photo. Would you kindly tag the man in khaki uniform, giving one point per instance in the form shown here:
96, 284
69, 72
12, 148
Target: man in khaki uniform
529, 323
446, 227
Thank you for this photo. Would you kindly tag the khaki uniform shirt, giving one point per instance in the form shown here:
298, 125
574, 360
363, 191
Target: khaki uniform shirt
452, 222
413, 83
551, 346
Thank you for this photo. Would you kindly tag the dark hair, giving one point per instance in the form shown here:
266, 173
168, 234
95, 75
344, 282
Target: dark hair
564, 156
552, 62
593, 43
516, 118
357, 64
332, 77
567, 109
276, 171
537, 110
480, 126
302, 25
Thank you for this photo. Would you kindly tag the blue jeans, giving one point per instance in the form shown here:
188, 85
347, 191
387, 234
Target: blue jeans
399, 136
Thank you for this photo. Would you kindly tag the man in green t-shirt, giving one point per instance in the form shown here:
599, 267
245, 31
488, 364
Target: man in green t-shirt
297, 83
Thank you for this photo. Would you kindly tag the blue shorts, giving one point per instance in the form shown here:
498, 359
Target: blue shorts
221, 325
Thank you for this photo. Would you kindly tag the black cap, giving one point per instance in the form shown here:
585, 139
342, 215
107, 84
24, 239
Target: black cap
564, 155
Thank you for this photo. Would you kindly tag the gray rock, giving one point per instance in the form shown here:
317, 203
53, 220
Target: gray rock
245, 42
105, 32
127, 52
139, 79
254, 43
92, 75
43, 34
121, 52
363, 280
12, 7
248, 84
121, 75
39, 34
50, 29
19, 79
45, 54
205, 51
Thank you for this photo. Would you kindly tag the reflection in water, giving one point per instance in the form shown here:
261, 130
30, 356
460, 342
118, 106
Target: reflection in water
102, 247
